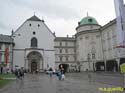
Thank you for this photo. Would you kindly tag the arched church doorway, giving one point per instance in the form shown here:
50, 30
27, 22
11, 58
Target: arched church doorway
34, 67
35, 61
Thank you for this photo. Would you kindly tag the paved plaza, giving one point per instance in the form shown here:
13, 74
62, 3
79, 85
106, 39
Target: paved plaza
74, 83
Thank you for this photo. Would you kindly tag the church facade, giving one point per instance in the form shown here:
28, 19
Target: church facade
34, 45
93, 47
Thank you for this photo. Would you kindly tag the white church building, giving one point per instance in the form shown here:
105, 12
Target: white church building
34, 45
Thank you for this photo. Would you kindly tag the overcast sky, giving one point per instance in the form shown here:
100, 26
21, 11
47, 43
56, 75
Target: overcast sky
61, 16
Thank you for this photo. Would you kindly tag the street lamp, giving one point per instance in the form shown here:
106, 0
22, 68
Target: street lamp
93, 51
89, 61
118, 50
93, 60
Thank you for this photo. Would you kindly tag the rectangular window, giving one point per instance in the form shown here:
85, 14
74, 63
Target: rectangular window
97, 36
93, 56
60, 50
0, 46
67, 58
66, 50
60, 57
74, 58
80, 38
74, 50
108, 35
0, 57
86, 37
66, 43
60, 43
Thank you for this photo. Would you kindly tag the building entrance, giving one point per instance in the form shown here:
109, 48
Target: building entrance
65, 66
33, 67
34, 61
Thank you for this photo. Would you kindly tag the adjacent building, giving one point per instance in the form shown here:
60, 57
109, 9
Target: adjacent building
6, 53
94, 47
65, 52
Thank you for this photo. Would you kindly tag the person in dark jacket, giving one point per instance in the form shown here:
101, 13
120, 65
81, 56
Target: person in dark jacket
50, 72
59, 74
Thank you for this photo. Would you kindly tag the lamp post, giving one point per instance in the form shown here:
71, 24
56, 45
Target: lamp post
93, 51
89, 61
93, 61
118, 50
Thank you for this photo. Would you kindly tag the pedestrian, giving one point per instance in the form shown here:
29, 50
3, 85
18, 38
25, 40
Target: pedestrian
16, 73
50, 72
1, 70
63, 73
21, 73
59, 74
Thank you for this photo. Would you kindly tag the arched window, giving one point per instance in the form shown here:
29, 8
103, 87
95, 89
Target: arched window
34, 42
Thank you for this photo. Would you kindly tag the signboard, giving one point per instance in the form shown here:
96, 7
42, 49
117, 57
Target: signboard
122, 68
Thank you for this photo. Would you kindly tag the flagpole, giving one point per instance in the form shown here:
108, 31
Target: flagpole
120, 17
6, 56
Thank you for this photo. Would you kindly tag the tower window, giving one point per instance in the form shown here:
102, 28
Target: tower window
38, 25
90, 20
30, 25
34, 33
34, 42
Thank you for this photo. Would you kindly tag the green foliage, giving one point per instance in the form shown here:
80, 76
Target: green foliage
7, 75
3, 83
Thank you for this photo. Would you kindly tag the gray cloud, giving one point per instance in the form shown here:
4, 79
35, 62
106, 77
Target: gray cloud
3, 26
61, 15
49, 7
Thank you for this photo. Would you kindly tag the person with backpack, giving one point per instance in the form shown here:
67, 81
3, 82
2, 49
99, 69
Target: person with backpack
59, 74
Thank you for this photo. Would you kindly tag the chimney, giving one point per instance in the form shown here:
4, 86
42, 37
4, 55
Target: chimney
54, 34
12, 32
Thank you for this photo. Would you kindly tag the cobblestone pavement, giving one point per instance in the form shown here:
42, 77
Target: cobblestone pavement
73, 83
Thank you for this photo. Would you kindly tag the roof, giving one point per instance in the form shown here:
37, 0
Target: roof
5, 39
88, 20
34, 18
64, 39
